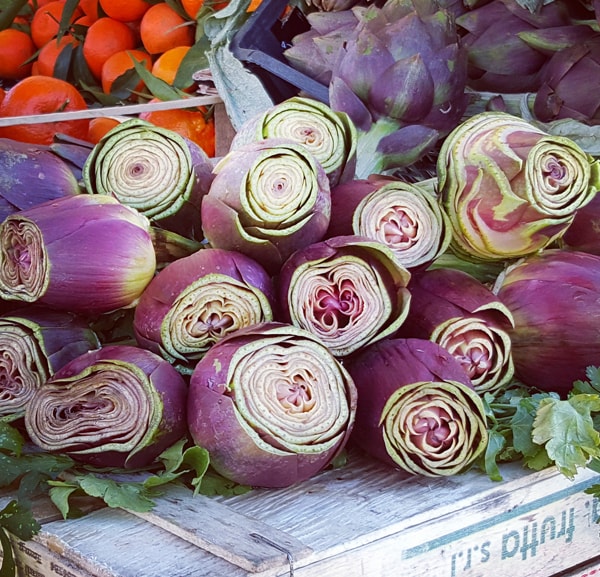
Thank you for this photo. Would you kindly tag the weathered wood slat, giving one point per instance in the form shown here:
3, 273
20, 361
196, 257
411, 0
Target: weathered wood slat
362, 520
216, 528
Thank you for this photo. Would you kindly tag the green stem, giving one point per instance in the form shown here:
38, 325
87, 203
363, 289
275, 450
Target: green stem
170, 246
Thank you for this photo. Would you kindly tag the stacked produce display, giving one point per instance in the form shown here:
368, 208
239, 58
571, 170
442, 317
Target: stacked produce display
410, 269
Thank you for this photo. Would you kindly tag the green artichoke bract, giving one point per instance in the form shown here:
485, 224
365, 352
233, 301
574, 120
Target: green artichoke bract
509, 188
401, 77
35, 343
86, 254
154, 170
330, 136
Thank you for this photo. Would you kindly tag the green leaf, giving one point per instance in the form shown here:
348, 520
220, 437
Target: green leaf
8, 10
8, 567
214, 484
125, 495
158, 87
566, 429
59, 493
11, 439
522, 429
194, 60
496, 443
592, 385
18, 519
12, 468
178, 462
62, 66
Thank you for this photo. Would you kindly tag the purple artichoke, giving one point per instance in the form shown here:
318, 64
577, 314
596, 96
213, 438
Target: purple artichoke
268, 199
31, 175
564, 90
418, 411
197, 300
35, 344
401, 77
349, 291
408, 218
554, 298
119, 406
584, 233
330, 136
271, 405
509, 188
461, 314
154, 170
86, 254
507, 44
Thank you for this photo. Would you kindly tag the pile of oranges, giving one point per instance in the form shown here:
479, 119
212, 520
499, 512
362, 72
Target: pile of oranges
57, 58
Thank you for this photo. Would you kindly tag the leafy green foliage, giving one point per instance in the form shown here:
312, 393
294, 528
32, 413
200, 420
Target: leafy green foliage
541, 429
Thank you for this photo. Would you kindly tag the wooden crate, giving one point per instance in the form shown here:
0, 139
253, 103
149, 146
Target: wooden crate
360, 520
223, 129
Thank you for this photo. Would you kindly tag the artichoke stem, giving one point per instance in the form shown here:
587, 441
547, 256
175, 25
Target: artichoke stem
170, 246
369, 159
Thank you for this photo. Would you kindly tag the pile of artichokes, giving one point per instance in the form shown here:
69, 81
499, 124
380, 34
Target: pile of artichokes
280, 304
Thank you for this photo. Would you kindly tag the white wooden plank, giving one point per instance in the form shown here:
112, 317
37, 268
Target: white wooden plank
218, 529
114, 543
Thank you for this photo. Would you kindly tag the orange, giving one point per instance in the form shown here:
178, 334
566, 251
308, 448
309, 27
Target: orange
45, 23
38, 95
2, 94
193, 123
119, 63
99, 126
90, 8
16, 47
104, 38
85, 20
124, 10
49, 53
161, 28
192, 7
167, 64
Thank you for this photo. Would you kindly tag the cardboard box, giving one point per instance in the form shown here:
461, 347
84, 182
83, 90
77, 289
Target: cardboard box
362, 520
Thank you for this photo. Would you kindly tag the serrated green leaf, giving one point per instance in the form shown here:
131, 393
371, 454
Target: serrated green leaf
566, 429
127, 495
11, 439
522, 430
12, 468
538, 461
18, 519
214, 484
